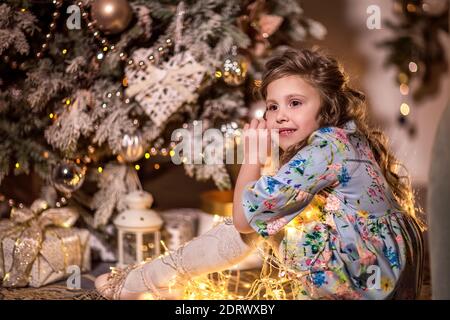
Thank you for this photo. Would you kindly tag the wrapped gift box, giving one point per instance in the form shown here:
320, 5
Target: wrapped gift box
38, 245
61, 248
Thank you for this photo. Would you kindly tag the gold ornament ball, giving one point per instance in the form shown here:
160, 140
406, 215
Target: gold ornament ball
132, 148
111, 16
235, 69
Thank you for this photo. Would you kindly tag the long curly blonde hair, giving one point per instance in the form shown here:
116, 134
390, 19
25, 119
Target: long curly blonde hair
341, 103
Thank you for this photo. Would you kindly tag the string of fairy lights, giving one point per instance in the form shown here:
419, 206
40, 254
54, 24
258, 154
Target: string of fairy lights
105, 48
403, 78
417, 20
404, 89
229, 129
61, 201
103, 42
47, 38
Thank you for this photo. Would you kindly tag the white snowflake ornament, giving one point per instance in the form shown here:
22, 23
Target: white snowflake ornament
162, 91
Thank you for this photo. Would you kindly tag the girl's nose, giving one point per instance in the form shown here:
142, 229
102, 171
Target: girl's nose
281, 115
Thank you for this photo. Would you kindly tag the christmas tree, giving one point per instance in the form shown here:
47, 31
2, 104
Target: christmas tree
90, 89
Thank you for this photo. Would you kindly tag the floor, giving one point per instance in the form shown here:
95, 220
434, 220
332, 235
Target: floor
60, 291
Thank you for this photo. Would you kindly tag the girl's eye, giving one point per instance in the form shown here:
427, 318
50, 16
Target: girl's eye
272, 107
296, 103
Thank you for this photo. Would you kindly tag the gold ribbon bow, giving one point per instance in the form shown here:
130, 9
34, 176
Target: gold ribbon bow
28, 226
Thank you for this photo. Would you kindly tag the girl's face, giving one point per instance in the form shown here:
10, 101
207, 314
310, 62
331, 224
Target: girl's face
292, 106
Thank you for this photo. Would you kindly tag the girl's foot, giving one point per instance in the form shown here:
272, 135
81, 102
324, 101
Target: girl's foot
132, 283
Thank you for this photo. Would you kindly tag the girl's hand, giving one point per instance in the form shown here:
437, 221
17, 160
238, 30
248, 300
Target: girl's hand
257, 142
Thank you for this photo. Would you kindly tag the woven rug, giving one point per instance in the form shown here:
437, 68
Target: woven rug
57, 291
51, 292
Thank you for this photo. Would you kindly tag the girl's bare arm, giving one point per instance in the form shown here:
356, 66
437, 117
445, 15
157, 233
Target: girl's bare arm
249, 172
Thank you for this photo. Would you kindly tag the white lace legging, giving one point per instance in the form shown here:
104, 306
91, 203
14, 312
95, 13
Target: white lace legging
216, 250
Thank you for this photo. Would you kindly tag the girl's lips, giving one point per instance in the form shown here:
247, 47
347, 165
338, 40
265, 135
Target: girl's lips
286, 131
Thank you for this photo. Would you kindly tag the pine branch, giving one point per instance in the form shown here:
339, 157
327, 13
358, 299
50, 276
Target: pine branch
73, 123
112, 128
114, 183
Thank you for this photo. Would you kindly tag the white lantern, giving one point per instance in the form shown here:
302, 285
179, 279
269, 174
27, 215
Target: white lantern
139, 229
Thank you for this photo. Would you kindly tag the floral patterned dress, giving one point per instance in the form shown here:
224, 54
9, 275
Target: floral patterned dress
343, 233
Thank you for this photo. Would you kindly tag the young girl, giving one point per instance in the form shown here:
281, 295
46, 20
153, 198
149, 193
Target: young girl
351, 227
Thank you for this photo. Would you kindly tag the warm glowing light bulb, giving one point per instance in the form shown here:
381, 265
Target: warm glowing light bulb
413, 66
404, 109
404, 89
403, 77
